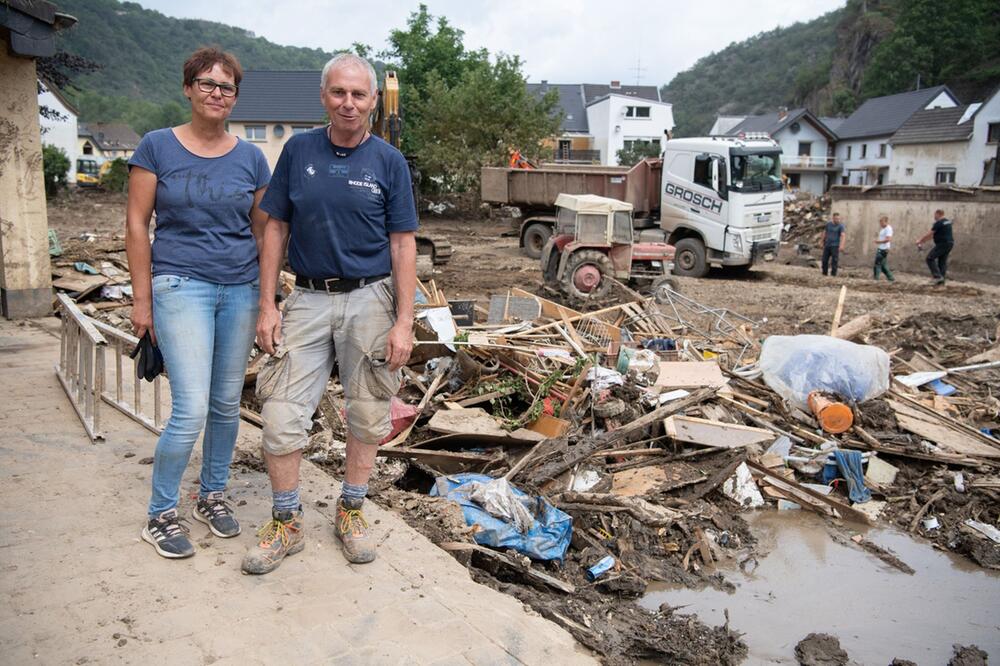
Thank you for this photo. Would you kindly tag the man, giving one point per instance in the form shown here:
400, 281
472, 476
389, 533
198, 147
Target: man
834, 236
937, 258
342, 199
883, 241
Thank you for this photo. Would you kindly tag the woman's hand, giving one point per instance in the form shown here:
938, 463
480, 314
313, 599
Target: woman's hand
142, 319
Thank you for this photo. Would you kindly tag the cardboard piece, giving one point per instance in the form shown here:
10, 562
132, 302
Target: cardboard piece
880, 473
549, 426
715, 433
689, 374
637, 482
919, 423
80, 283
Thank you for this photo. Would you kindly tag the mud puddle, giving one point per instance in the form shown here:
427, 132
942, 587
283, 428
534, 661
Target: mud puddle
806, 582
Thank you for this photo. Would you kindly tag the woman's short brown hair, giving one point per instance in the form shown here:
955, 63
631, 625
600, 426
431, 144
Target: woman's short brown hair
207, 56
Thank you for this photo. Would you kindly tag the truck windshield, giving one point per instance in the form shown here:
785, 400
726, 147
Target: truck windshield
758, 172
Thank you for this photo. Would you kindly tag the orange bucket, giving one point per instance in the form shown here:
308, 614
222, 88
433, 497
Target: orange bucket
834, 417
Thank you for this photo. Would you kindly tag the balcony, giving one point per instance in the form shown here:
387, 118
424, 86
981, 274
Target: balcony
809, 163
577, 156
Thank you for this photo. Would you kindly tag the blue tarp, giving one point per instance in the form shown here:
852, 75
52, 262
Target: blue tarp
547, 539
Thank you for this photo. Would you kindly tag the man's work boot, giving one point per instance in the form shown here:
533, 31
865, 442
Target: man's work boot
353, 531
281, 536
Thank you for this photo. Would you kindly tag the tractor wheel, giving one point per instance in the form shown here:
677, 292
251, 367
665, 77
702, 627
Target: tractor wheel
535, 237
587, 275
689, 258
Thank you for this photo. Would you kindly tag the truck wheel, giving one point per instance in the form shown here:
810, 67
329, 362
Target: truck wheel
535, 238
587, 275
689, 258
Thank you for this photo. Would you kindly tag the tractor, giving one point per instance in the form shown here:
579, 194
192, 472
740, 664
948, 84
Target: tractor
593, 242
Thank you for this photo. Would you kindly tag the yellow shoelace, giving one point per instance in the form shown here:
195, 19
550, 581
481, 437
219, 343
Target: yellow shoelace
347, 520
273, 531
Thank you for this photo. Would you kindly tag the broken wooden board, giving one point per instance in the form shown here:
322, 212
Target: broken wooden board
853, 328
449, 462
990, 355
549, 426
715, 433
808, 497
941, 433
465, 421
689, 375
80, 284
528, 570
460, 442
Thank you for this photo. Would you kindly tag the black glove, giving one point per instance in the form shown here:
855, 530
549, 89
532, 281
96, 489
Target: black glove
150, 359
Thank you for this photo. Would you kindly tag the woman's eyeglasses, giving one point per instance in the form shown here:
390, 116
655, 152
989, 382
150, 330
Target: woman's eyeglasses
208, 86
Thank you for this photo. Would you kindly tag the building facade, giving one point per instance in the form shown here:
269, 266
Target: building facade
60, 132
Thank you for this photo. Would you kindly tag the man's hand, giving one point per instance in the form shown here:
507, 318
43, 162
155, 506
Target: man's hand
269, 329
398, 345
142, 319
920, 246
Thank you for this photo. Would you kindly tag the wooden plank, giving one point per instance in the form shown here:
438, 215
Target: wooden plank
809, 496
838, 313
853, 328
549, 426
654, 416
932, 427
80, 284
531, 572
465, 421
689, 375
715, 433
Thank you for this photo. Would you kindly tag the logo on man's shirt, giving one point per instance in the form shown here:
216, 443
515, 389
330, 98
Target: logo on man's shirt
310, 170
339, 170
370, 183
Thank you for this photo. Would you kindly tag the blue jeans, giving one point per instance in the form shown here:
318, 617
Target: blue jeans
205, 332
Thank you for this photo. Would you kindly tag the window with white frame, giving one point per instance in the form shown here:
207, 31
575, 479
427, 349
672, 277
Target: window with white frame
637, 112
256, 132
945, 176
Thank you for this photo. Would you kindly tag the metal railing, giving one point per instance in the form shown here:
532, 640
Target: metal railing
123, 343
81, 365
808, 161
586, 156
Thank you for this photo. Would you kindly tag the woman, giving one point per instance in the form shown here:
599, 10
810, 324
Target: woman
196, 288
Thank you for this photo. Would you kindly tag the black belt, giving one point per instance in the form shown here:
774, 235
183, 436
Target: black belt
336, 285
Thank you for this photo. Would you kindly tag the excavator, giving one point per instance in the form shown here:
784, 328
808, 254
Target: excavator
387, 123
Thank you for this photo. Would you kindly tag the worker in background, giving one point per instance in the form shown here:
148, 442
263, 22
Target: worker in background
937, 258
834, 236
883, 241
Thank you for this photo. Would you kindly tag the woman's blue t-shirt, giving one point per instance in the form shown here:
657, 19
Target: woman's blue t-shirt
203, 208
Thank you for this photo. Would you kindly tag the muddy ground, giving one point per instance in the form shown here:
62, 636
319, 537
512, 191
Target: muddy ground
948, 323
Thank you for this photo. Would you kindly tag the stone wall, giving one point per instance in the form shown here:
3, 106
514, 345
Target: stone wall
975, 214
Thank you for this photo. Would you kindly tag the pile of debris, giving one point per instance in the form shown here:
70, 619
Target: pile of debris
805, 218
571, 458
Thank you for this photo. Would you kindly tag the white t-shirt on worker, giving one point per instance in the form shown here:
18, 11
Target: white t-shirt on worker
883, 234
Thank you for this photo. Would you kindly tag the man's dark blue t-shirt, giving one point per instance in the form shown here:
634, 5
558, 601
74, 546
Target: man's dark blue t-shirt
834, 230
942, 232
203, 208
341, 204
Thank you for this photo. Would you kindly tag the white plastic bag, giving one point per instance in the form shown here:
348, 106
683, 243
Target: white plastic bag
796, 365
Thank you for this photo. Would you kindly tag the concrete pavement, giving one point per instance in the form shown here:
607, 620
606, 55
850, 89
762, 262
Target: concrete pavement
77, 585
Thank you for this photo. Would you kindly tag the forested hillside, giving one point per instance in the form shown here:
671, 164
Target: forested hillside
833, 63
141, 52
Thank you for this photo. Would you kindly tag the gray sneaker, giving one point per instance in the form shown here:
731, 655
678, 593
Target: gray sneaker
215, 512
168, 535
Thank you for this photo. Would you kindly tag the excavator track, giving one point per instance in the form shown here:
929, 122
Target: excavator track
438, 247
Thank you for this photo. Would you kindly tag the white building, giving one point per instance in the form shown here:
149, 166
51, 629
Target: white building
807, 146
60, 132
619, 122
948, 146
863, 150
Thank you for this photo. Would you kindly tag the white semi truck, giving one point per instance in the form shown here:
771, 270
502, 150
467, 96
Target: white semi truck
718, 200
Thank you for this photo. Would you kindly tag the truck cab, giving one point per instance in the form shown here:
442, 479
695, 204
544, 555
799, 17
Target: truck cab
721, 201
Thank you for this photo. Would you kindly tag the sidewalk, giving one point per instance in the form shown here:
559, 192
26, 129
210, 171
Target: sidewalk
77, 585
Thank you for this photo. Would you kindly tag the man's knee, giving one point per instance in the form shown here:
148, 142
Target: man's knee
286, 427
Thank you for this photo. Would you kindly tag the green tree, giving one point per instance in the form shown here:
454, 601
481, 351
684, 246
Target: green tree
55, 167
937, 42
116, 177
639, 151
477, 121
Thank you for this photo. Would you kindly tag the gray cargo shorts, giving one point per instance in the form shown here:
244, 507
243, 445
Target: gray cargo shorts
319, 328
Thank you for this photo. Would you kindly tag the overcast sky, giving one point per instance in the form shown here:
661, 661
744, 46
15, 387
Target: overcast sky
562, 41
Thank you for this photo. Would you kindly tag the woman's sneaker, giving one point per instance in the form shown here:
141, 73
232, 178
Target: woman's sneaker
215, 512
168, 535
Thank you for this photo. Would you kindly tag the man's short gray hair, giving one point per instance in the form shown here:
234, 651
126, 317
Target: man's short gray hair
345, 60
